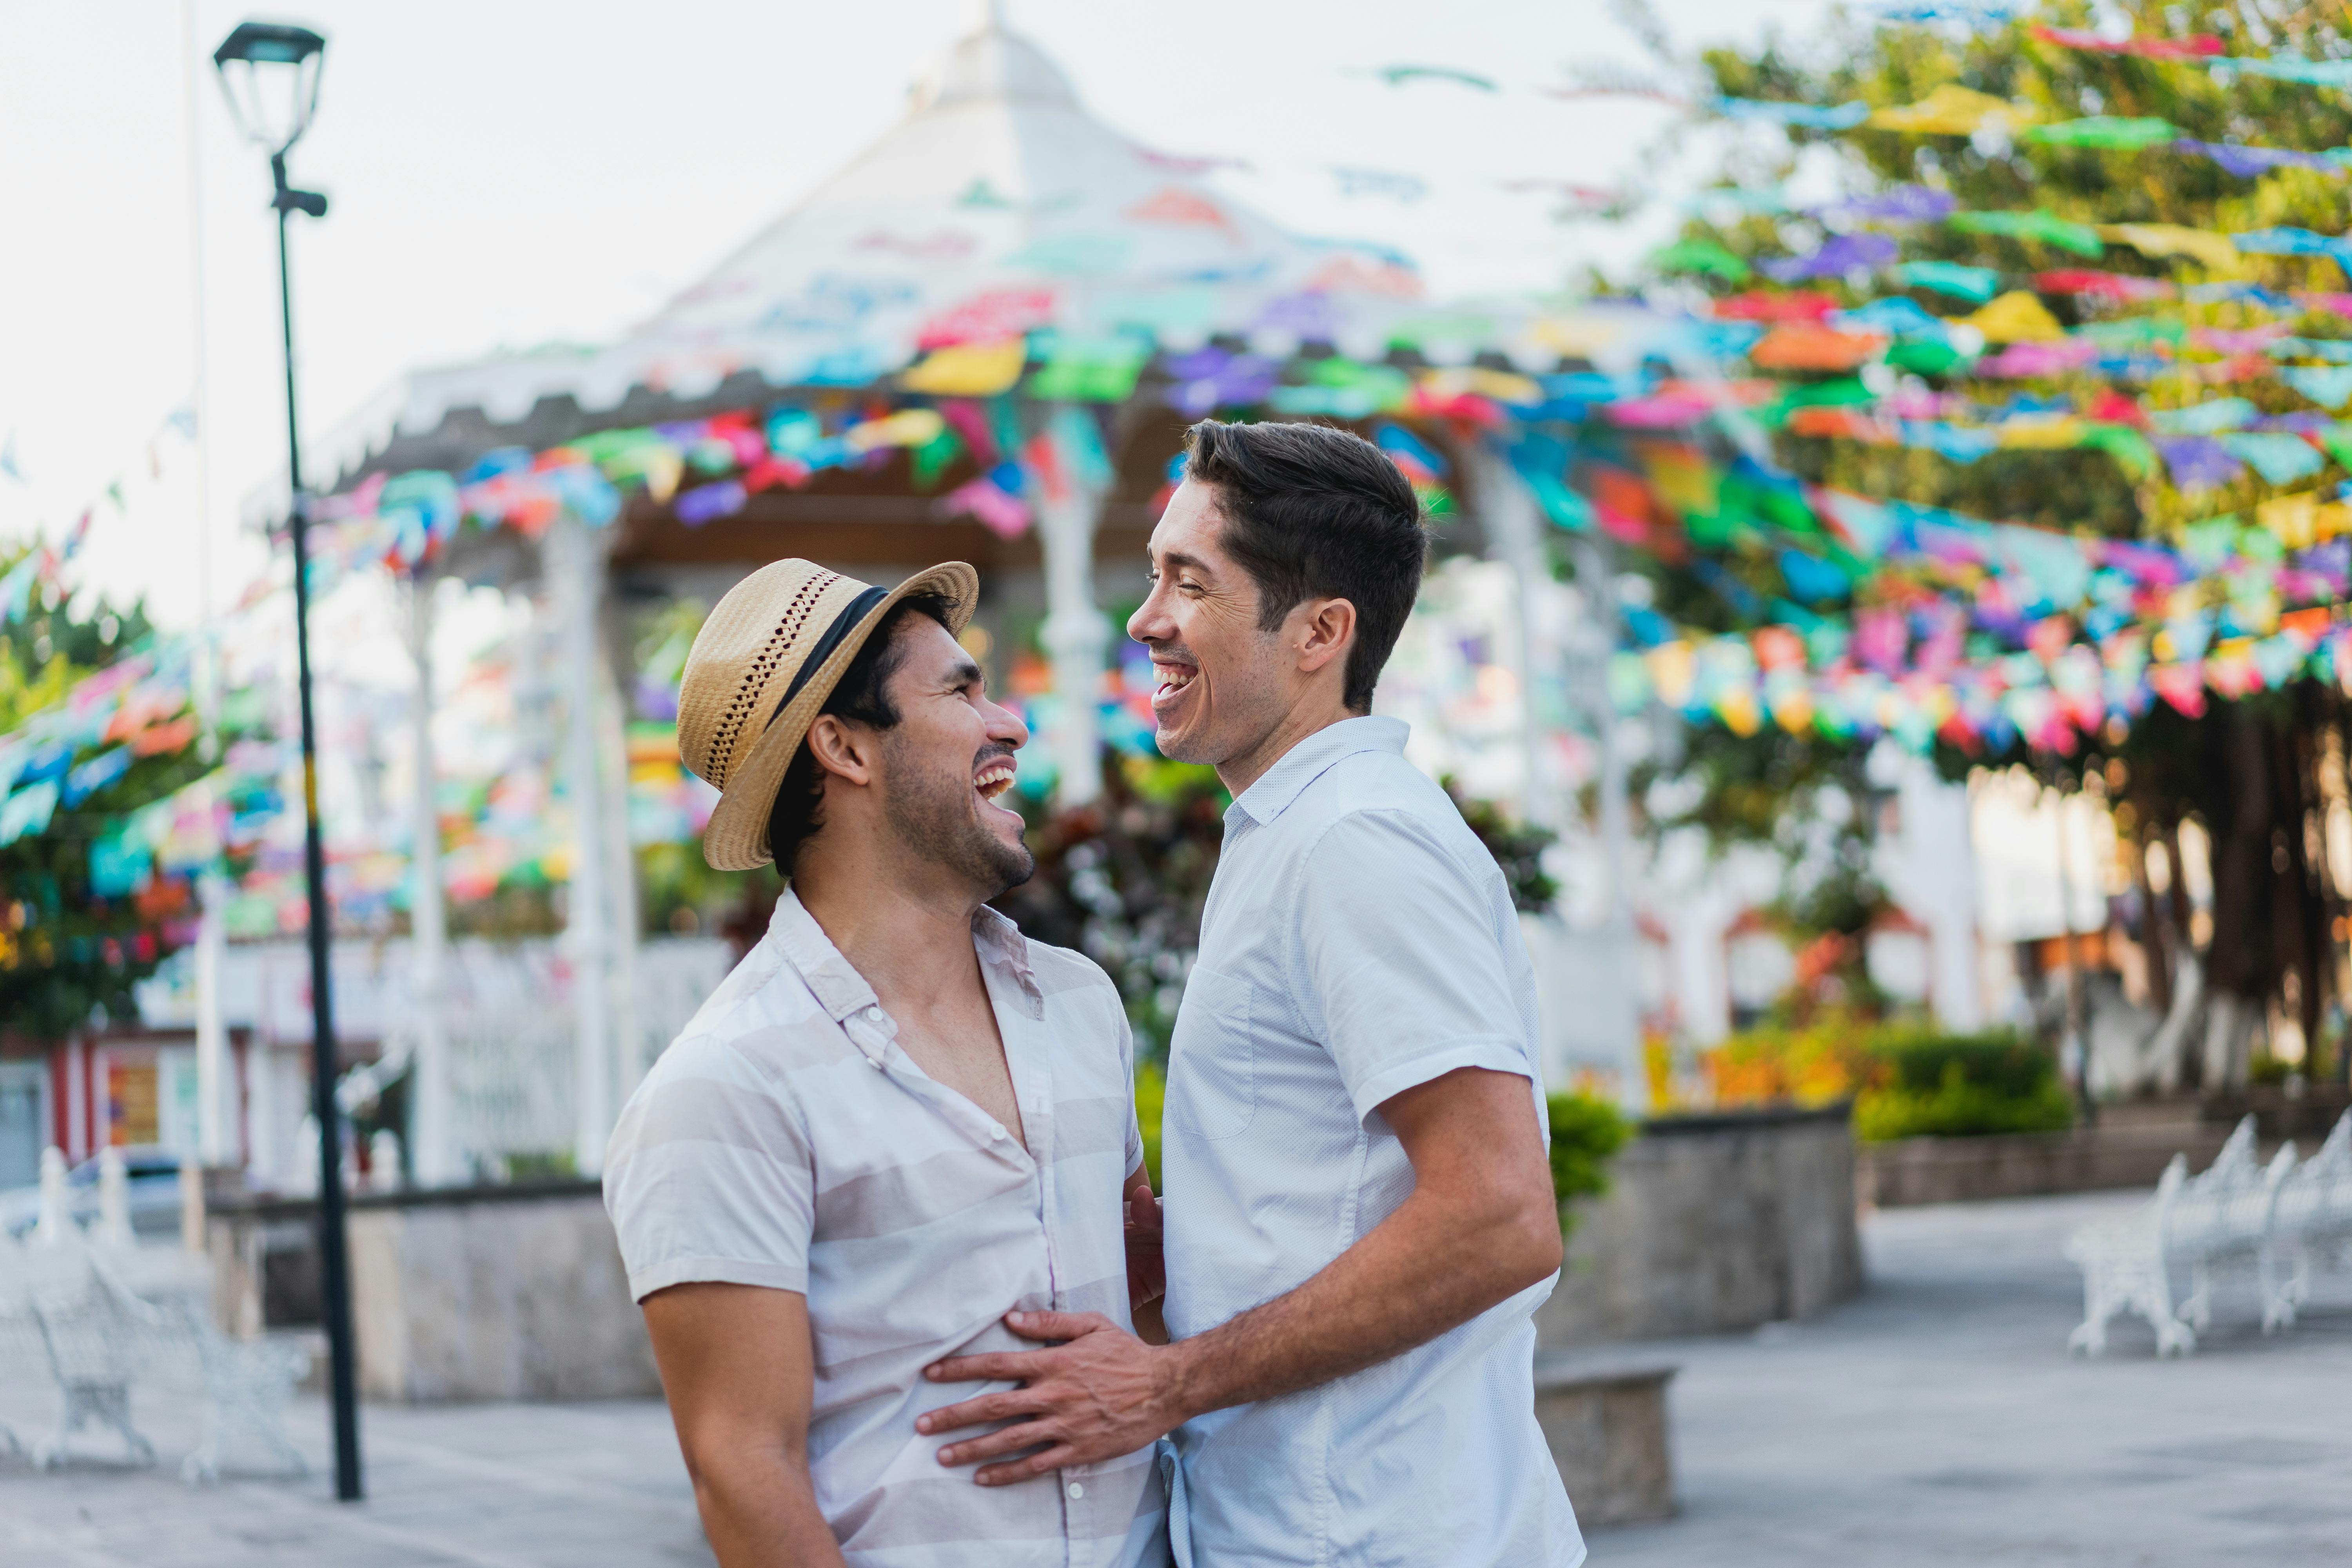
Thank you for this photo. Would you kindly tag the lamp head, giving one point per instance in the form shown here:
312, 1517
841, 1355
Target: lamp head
269, 73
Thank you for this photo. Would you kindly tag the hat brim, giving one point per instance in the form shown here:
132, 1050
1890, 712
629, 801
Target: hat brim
737, 836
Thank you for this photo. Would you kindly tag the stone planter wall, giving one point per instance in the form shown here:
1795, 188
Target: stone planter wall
2118, 1153
1711, 1224
474, 1293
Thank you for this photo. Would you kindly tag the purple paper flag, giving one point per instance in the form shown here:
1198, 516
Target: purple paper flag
2197, 462
1843, 254
707, 503
1311, 315
2248, 162
1902, 203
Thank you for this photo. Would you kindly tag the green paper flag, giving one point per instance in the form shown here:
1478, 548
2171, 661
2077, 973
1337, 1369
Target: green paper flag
2132, 451
1701, 255
2047, 227
2106, 131
1975, 284
1090, 370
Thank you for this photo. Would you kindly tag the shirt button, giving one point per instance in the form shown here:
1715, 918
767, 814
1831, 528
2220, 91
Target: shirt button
1076, 1492
996, 1133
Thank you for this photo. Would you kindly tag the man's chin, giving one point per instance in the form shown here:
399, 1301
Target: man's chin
1180, 746
1015, 869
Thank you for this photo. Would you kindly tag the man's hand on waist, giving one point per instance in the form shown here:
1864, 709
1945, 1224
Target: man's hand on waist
1099, 1393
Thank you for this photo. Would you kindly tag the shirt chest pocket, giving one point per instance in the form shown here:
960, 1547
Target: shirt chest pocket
1213, 1057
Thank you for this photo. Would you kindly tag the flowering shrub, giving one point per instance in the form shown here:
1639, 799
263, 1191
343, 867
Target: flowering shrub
1906, 1080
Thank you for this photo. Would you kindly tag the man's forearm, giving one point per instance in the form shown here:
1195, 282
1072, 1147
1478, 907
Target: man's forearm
760, 1511
1419, 1273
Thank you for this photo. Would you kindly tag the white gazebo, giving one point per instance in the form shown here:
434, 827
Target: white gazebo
1068, 301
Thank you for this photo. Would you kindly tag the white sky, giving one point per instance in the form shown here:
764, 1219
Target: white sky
505, 173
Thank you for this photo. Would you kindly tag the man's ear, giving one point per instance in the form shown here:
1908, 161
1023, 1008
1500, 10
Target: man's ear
1323, 630
842, 749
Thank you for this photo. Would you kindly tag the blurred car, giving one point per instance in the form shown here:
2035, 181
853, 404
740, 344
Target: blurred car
154, 1175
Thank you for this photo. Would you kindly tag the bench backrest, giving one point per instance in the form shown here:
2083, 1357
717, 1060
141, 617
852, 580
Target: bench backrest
2318, 1198
2231, 1200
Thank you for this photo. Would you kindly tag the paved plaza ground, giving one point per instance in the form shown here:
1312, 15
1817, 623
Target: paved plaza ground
1938, 1420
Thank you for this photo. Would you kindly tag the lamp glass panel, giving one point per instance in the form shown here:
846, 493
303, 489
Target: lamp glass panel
272, 100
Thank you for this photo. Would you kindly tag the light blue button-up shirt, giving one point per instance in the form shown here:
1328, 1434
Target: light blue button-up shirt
1359, 940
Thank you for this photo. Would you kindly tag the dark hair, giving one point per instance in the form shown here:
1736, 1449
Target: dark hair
1310, 512
862, 696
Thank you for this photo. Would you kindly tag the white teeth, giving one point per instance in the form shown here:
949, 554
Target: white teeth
994, 782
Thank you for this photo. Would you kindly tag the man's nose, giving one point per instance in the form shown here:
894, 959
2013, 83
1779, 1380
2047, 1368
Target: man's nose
1005, 725
1150, 623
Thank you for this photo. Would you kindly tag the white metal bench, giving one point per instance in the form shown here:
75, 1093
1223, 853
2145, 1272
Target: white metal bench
104, 1320
2314, 1216
2237, 1219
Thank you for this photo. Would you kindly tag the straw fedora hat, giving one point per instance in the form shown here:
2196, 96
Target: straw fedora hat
761, 668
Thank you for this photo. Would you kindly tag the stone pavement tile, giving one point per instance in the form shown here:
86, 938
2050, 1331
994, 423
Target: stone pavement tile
482, 1485
1938, 1421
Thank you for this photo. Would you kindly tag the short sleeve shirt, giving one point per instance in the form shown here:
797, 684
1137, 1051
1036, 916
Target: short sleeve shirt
1357, 942
785, 1141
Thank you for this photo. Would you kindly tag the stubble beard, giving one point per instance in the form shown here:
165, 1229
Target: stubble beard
933, 815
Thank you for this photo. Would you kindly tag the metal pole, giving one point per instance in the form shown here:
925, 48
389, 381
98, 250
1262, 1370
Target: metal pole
334, 1262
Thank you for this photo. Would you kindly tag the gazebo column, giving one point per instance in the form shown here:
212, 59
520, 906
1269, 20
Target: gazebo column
216, 1139
1075, 634
216, 1100
432, 1144
1514, 525
575, 569
632, 1053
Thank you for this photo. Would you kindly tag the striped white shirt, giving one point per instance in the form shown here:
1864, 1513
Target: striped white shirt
785, 1141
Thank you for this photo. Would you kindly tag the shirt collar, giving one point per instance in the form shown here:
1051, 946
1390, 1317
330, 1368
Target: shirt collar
841, 991
1311, 758
838, 988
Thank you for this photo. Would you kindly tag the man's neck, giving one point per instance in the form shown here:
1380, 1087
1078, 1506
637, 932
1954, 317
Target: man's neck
909, 936
1238, 773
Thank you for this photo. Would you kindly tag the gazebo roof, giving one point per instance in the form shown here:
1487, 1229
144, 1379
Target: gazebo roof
996, 207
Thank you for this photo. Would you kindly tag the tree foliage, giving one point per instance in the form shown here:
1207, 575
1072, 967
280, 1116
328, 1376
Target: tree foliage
2259, 774
66, 952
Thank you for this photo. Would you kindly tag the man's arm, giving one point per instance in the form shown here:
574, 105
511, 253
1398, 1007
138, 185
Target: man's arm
1480, 1226
736, 1366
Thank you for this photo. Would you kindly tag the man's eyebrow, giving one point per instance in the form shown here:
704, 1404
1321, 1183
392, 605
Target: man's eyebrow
1178, 558
963, 674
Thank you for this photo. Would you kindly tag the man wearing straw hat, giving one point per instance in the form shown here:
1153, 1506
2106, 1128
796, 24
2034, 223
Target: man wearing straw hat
895, 1123
1359, 1214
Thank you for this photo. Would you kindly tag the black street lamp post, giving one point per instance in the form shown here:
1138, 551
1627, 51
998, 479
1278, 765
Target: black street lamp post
269, 72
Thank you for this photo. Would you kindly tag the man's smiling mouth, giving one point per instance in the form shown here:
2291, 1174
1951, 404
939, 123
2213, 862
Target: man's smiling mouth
995, 779
1174, 678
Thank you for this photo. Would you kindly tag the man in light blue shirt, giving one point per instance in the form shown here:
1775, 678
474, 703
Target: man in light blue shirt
1359, 1221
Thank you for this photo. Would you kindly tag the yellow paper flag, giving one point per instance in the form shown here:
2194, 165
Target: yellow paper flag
2294, 519
2017, 316
908, 427
2213, 250
969, 370
1952, 111
1670, 666
2042, 433
1792, 709
1683, 479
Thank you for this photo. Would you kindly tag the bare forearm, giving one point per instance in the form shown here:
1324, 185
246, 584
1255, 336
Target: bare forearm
1420, 1272
760, 1511
1480, 1226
